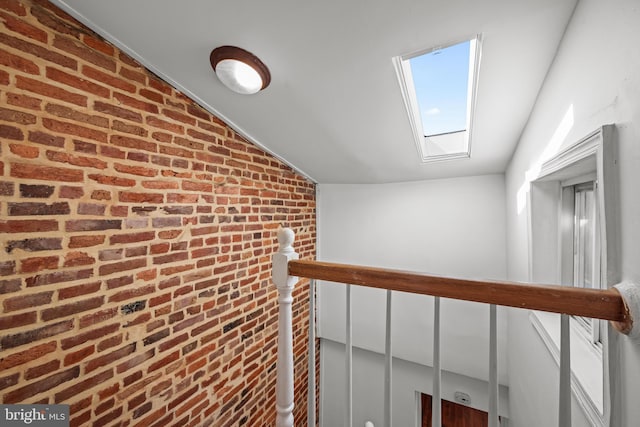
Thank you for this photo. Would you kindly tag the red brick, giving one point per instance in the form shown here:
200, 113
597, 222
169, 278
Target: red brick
151, 95
76, 116
162, 87
81, 51
77, 82
181, 117
74, 130
26, 301
104, 406
98, 317
109, 342
110, 358
92, 209
132, 293
108, 79
13, 6
28, 225
35, 208
21, 100
41, 370
84, 337
131, 197
98, 44
135, 170
17, 320
112, 180
120, 126
68, 192
135, 361
11, 132
73, 308
44, 89
160, 185
85, 241
119, 267
80, 386
82, 161
21, 338
24, 151
46, 139
135, 103
134, 143
54, 18
21, 27
132, 237
164, 361
7, 267
38, 51
33, 353
79, 355
101, 195
48, 173
93, 225
58, 277
133, 75
78, 290
32, 265
15, 116
35, 245
22, 394
163, 124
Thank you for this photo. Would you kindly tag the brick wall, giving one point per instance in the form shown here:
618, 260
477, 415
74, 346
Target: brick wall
136, 232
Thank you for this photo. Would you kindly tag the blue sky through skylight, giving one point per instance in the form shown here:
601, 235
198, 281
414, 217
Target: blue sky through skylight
441, 79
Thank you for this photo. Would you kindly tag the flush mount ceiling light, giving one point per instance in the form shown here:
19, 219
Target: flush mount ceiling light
239, 70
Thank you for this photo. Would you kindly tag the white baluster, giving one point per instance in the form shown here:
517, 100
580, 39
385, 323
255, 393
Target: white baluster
311, 394
564, 416
285, 284
493, 367
349, 363
388, 366
436, 405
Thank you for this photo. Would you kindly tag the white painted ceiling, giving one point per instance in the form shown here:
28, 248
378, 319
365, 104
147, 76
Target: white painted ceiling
334, 110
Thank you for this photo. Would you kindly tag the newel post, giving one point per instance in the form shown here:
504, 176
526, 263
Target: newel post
284, 366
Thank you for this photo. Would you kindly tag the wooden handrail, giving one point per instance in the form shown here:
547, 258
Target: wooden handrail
600, 304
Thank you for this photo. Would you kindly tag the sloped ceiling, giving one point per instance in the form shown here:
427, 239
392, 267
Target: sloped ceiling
334, 110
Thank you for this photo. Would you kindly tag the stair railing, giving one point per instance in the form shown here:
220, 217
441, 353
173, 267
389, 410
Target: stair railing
606, 304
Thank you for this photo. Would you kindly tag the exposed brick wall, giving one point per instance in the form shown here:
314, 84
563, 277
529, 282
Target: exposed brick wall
136, 234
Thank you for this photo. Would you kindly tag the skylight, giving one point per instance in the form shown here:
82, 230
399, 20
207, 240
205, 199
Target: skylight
438, 86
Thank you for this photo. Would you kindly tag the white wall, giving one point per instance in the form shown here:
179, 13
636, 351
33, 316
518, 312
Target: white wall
594, 80
368, 387
453, 227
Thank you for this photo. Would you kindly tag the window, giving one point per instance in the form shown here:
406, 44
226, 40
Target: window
438, 86
574, 242
581, 237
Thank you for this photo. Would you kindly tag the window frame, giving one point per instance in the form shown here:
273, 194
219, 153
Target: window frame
405, 80
594, 155
572, 193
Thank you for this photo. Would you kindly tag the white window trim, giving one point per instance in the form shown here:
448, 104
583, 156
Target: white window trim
405, 79
595, 153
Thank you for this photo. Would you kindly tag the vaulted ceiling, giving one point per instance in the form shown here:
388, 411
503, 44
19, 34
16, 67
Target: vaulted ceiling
334, 110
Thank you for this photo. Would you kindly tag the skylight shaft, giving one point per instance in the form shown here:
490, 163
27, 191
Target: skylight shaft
438, 88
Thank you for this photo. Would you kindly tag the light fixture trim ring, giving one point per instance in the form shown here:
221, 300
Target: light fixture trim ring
238, 54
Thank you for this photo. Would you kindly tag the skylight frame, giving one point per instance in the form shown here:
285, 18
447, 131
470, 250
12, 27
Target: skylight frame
405, 79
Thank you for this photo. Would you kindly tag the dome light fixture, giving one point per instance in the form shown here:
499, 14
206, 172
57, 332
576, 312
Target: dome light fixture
239, 70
